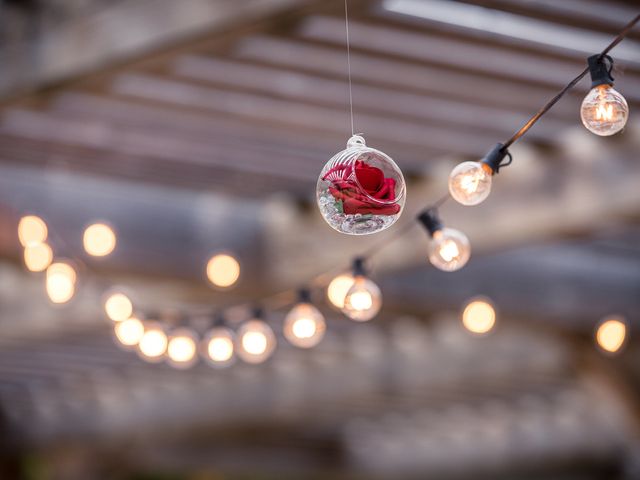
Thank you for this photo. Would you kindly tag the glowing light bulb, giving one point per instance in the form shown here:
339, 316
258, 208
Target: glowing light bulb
363, 300
99, 240
449, 250
479, 316
32, 230
304, 326
604, 111
611, 334
223, 270
182, 348
60, 282
338, 288
118, 307
37, 257
153, 344
218, 347
256, 341
129, 332
470, 183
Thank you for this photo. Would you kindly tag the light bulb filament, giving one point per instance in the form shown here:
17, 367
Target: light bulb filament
604, 112
449, 250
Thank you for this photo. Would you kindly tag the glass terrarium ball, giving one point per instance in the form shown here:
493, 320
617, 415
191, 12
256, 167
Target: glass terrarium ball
604, 111
360, 190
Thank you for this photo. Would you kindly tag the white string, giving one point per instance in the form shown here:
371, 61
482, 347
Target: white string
346, 24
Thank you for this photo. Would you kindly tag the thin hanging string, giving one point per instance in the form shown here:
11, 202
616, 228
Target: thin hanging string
346, 25
531, 122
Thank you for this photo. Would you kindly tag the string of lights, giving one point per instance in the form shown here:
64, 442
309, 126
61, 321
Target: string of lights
604, 112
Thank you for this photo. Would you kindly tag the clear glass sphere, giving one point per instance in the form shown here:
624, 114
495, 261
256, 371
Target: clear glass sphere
604, 111
255, 341
217, 347
470, 183
363, 300
182, 348
449, 250
304, 326
153, 344
360, 190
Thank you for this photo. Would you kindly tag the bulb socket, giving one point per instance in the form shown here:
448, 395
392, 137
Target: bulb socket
304, 295
599, 70
494, 158
358, 267
257, 312
430, 220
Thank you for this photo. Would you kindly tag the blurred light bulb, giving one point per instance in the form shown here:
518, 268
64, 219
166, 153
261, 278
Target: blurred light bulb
611, 334
218, 347
153, 343
99, 240
604, 111
182, 348
223, 270
363, 300
118, 307
256, 341
129, 332
470, 183
32, 230
60, 282
338, 288
449, 250
304, 326
479, 316
37, 257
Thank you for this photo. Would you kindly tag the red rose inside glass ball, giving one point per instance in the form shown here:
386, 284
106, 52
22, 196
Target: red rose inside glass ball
350, 180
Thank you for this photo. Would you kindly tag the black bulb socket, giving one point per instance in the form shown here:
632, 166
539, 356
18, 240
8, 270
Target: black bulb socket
430, 220
358, 267
304, 295
599, 70
493, 159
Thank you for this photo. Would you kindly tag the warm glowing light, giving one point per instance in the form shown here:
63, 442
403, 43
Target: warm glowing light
60, 282
338, 288
611, 334
182, 348
118, 307
153, 343
129, 332
37, 257
99, 240
479, 316
304, 326
604, 111
470, 183
363, 300
223, 270
449, 250
218, 347
256, 341
32, 230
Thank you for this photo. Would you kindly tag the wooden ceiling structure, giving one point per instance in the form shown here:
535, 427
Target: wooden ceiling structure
204, 126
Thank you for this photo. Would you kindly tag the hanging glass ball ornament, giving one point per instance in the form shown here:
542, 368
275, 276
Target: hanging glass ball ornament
361, 190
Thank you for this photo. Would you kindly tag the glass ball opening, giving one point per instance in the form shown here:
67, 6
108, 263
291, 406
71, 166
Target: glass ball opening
255, 341
604, 111
360, 190
449, 250
304, 326
363, 300
470, 183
